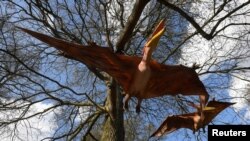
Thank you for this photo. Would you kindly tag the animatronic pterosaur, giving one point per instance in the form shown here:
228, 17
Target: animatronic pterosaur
191, 120
140, 77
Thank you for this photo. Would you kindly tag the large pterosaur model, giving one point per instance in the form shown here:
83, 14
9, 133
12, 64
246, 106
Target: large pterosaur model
191, 120
140, 77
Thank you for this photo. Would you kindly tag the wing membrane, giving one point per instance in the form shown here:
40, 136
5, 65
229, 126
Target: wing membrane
176, 122
92, 55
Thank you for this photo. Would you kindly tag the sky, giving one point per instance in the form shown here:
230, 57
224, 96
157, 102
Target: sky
197, 51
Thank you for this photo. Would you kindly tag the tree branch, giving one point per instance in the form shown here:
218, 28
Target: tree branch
129, 27
199, 29
227, 70
227, 15
188, 18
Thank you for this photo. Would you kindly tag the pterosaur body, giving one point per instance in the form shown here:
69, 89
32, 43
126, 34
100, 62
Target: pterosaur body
191, 120
140, 77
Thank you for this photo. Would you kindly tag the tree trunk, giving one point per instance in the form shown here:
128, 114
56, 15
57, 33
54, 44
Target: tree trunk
113, 128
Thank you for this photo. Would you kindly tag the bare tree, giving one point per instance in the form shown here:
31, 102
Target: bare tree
85, 103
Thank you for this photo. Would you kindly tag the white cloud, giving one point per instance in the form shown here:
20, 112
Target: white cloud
33, 129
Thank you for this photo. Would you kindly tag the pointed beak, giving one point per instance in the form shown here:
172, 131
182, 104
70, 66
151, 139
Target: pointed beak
158, 32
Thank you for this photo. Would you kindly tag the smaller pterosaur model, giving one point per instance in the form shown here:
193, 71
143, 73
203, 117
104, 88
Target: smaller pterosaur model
140, 77
191, 120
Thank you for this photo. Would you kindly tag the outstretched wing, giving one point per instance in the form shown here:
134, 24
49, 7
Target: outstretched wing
91, 55
173, 123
